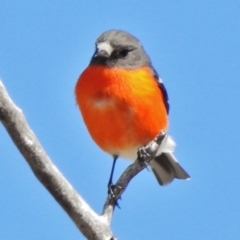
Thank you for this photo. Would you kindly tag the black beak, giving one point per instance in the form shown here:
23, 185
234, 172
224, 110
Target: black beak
101, 53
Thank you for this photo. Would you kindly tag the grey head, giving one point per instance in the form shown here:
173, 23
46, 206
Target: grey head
117, 48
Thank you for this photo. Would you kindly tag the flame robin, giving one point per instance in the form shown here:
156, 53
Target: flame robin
124, 103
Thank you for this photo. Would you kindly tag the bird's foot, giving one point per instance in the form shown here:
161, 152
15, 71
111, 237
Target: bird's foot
147, 153
111, 189
143, 154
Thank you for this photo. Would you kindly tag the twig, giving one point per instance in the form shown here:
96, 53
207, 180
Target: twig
145, 155
93, 226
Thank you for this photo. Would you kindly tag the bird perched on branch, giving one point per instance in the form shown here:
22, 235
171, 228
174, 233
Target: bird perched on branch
124, 103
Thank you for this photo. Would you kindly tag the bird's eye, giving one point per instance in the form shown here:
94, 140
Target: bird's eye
123, 53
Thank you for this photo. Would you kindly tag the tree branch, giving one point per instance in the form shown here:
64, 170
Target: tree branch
145, 155
89, 223
93, 226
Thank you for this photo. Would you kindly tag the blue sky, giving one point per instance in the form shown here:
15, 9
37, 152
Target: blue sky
195, 47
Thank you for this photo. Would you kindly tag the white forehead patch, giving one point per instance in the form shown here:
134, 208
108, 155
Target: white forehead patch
106, 46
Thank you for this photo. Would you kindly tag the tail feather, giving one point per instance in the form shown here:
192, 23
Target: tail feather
166, 167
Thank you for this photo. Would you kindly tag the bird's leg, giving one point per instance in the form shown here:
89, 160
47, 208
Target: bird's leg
115, 157
112, 186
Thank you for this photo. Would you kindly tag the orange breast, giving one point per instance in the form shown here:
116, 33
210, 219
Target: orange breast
122, 109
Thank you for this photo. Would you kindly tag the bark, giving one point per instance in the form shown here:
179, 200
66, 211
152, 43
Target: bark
92, 225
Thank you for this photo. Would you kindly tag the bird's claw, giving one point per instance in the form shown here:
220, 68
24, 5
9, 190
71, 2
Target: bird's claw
147, 153
111, 190
144, 155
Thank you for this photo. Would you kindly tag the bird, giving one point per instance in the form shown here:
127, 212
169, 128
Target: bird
124, 104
